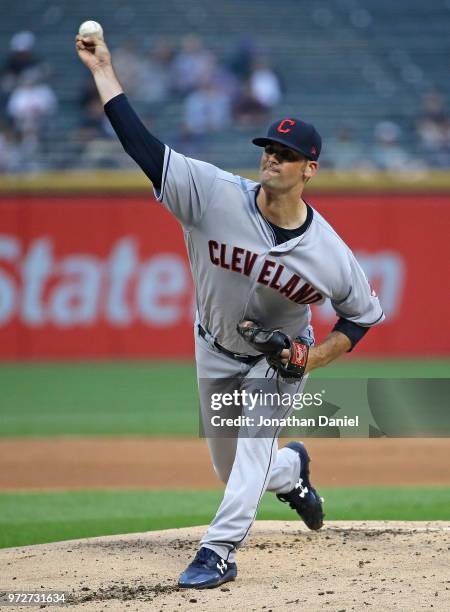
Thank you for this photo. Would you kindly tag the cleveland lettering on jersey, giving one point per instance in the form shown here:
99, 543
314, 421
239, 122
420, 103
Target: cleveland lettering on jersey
272, 274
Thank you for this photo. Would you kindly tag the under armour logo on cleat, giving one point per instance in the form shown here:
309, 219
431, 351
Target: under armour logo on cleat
222, 566
303, 490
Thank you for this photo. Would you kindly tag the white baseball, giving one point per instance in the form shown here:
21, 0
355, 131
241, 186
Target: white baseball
91, 28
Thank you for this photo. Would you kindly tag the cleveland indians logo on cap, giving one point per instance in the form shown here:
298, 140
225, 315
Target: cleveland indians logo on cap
282, 126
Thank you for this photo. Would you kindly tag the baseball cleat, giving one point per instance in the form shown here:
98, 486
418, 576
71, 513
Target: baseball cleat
303, 498
207, 571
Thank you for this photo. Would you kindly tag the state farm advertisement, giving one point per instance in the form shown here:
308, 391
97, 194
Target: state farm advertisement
108, 277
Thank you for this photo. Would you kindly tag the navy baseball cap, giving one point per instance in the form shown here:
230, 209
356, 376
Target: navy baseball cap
295, 134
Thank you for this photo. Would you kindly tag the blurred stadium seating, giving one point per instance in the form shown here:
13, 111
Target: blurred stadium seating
345, 65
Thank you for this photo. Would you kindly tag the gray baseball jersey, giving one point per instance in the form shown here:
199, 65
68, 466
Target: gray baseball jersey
238, 269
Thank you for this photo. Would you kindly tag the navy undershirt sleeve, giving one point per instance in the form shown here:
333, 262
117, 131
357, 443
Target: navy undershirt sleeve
146, 150
353, 331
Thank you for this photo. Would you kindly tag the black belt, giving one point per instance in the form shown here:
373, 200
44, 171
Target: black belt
248, 359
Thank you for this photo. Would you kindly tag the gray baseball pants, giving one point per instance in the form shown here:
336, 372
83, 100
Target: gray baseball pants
248, 464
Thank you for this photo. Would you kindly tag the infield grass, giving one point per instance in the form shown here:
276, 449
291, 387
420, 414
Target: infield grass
147, 398
33, 518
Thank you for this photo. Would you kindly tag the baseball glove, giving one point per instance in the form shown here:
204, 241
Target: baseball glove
271, 342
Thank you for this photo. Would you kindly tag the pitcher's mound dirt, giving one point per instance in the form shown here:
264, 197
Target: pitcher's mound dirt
346, 566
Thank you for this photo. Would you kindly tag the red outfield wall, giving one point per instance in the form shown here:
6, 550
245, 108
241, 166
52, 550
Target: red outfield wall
108, 276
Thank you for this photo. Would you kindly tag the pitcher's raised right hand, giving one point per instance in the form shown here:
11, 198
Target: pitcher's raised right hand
93, 52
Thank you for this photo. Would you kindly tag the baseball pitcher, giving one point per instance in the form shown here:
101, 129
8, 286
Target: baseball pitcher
260, 255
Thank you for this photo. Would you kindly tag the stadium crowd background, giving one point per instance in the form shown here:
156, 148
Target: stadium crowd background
206, 76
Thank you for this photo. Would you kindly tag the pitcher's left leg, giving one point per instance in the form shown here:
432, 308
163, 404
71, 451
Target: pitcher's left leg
253, 467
